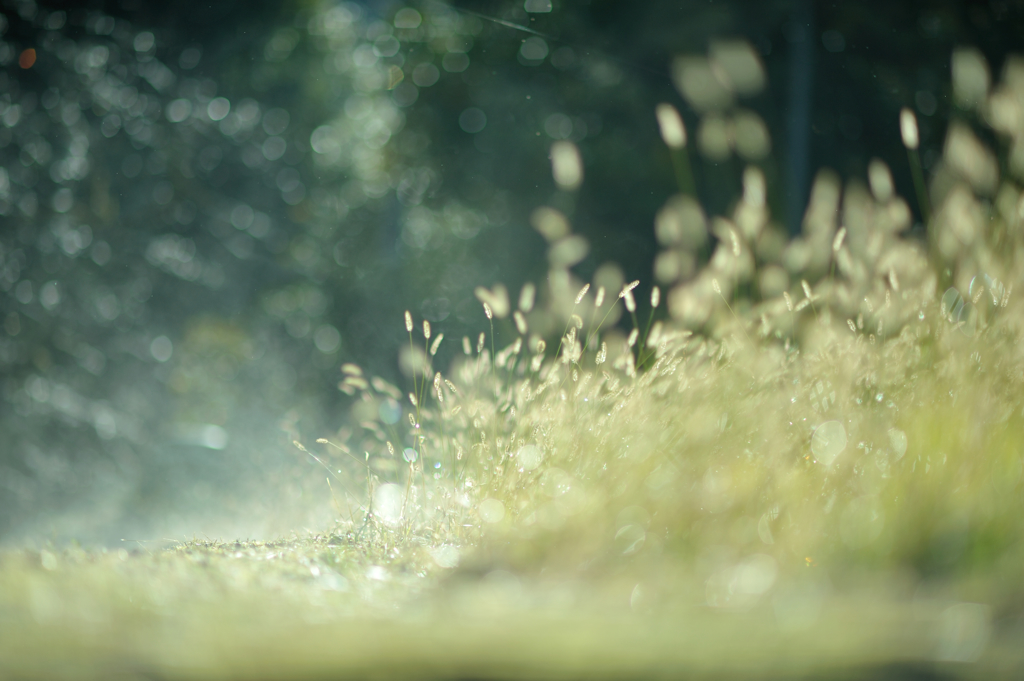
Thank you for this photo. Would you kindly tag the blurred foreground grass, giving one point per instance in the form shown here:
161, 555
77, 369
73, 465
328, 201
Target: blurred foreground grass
810, 467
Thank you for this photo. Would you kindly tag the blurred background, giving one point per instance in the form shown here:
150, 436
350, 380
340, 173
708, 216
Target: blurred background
206, 208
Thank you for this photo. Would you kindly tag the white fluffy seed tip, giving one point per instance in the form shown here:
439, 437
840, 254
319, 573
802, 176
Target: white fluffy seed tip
628, 287
566, 165
526, 297
583, 292
837, 243
908, 128
408, 321
520, 321
670, 124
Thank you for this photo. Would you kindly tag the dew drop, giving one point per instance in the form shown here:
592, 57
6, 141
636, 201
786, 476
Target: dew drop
491, 510
898, 440
387, 503
445, 556
828, 441
967, 319
952, 304
529, 457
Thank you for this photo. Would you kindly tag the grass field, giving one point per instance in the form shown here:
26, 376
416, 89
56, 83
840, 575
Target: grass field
808, 466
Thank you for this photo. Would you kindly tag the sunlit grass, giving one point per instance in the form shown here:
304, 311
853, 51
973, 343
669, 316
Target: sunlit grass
795, 462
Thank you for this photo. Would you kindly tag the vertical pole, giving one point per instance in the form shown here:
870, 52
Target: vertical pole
800, 33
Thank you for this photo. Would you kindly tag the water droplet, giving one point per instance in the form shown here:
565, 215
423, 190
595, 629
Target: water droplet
756, 574
409, 454
636, 598
828, 441
951, 305
387, 503
967, 319
742, 584
630, 539
529, 457
491, 510
993, 287
376, 572
445, 556
161, 348
48, 560
898, 441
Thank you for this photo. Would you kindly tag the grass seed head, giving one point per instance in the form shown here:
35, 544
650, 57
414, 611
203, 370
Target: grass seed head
583, 292
670, 124
908, 128
520, 321
837, 243
566, 165
526, 297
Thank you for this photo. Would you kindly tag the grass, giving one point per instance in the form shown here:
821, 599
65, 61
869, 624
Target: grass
823, 481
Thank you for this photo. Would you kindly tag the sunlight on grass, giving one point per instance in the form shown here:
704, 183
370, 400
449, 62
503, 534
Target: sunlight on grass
804, 459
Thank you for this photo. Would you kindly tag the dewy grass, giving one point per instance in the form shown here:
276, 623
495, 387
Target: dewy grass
824, 489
